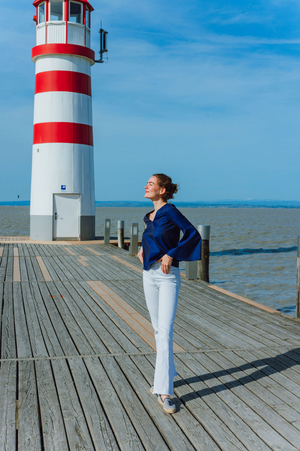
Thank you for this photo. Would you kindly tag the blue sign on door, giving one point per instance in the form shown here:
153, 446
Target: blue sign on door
63, 187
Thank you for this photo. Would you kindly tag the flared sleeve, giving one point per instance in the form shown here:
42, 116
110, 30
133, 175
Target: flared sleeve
189, 247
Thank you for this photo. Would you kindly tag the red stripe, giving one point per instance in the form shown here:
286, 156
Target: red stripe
37, 2
60, 80
62, 132
63, 49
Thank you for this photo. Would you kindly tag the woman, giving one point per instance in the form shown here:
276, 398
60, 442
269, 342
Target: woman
160, 254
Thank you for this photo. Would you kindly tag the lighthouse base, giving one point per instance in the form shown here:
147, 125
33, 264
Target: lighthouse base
87, 228
42, 229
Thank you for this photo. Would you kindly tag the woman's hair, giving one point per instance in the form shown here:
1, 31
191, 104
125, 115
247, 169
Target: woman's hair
166, 182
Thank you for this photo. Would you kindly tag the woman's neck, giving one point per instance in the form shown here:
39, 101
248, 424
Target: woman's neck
158, 204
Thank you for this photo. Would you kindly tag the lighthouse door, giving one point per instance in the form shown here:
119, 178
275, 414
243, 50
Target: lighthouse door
66, 216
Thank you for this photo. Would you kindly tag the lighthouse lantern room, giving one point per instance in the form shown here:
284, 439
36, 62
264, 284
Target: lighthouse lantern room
62, 204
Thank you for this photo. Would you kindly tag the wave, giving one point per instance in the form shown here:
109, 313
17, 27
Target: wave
248, 251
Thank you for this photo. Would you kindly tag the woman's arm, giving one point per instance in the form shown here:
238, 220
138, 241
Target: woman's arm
189, 247
140, 255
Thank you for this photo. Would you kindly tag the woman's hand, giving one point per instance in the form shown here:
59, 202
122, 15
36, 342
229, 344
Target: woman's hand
166, 263
140, 255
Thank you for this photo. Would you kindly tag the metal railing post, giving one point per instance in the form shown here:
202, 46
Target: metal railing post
121, 234
134, 238
107, 231
203, 264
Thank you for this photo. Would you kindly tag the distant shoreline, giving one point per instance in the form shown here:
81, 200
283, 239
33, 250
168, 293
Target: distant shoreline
218, 204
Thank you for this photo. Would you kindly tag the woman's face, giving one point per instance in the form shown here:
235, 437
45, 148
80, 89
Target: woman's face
152, 190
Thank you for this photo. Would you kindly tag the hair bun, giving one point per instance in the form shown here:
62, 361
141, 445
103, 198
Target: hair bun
166, 182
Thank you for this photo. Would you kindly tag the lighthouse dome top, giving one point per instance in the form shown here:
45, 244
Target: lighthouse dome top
63, 22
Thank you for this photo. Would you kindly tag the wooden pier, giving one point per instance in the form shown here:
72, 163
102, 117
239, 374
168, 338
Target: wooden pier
77, 360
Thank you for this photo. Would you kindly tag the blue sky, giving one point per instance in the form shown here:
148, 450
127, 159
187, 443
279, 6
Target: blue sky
206, 92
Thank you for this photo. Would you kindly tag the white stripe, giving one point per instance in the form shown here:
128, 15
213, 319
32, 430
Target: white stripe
62, 107
56, 164
70, 63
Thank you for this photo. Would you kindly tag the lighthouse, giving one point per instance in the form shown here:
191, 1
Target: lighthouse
62, 204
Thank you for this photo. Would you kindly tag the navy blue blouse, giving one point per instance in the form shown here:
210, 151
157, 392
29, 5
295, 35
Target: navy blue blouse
162, 237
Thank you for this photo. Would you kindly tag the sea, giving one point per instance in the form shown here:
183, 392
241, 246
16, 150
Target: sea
253, 251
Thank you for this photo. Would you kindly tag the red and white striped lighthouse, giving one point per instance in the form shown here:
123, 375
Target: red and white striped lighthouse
62, 204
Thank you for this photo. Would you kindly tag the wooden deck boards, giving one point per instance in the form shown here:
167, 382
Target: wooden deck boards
77, 360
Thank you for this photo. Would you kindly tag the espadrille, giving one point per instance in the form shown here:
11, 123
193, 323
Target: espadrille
167, 404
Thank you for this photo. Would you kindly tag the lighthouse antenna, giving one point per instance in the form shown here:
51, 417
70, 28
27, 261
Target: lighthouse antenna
103, 42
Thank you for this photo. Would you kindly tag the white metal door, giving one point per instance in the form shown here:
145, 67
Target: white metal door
66, 216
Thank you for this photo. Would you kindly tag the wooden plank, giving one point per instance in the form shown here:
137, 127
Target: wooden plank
3, 267
53, 274
71, 415
109, 319
29, 437
237, 418
30, 270
105, 334
8, 395
110, 270
93, 251
140, 330
63, 322
274, 363
30, 248
44, 269
262, 378
29, 433
1, 250
37, 269
212, 321
23, 270
127, 264
69, 251
82, 322
190, 426
166, 424
82, 262
78, 272
8, 344
74, 420
286, 357
230, 317
238, 377
5, 252
9, 269
21, 331
99, 427
54, 435
243, 299
25, 250
123, 429
64, 270
265, 422
272, 372
20, 248
37, 319
142, 422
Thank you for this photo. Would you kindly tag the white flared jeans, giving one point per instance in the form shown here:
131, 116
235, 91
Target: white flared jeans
161, 293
